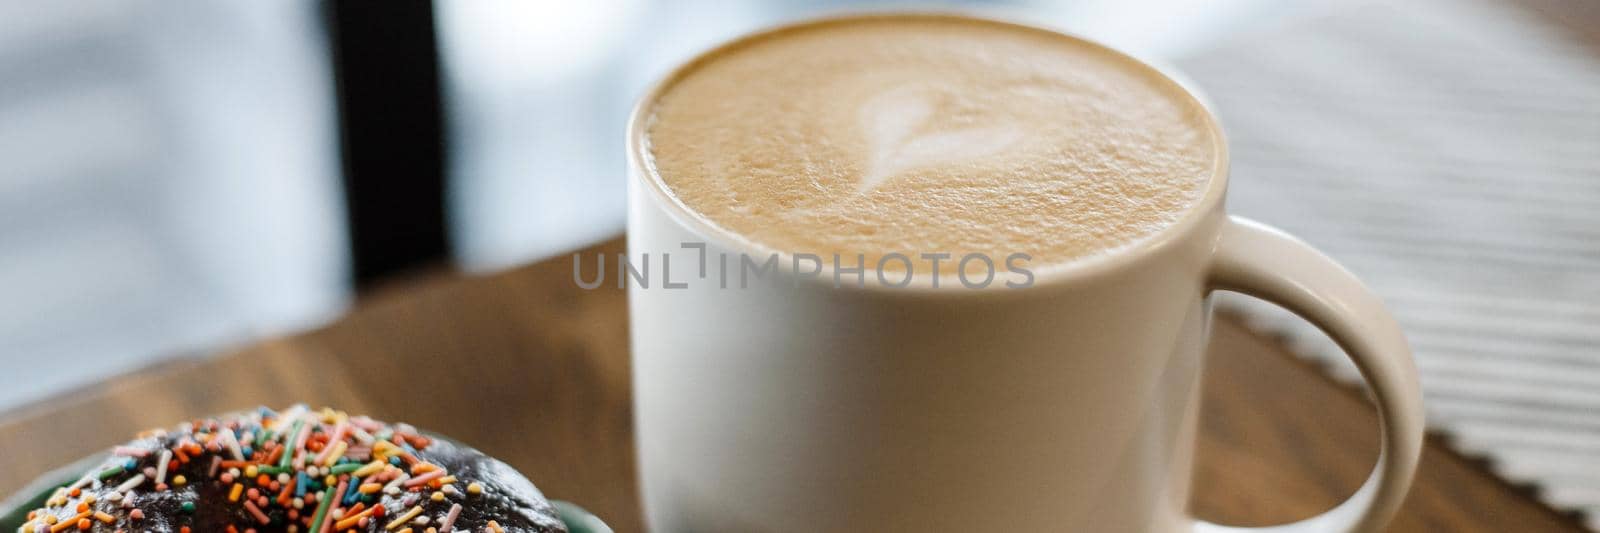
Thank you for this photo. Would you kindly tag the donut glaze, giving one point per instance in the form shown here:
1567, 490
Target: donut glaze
278, 472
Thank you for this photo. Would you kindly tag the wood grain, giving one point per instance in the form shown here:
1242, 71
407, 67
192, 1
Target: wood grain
534, 370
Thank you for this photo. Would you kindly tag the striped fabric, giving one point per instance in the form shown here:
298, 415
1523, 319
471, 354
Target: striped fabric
1448, 152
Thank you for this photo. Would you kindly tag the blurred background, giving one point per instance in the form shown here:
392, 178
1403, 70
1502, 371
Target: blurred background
179, 177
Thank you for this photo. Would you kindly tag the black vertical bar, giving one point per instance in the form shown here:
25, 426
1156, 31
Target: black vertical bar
386, 67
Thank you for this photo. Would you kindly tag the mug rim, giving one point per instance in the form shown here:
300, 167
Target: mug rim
641, 170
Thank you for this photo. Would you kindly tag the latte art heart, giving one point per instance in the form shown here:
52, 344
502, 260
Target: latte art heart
896, 122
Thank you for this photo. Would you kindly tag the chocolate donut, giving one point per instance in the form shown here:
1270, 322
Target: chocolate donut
296, 471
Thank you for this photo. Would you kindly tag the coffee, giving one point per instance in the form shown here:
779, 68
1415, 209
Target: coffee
922, 134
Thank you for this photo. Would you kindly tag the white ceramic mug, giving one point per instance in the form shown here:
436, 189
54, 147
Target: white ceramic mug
1070, 405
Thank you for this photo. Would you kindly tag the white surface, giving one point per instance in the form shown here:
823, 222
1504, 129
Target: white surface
1449, 153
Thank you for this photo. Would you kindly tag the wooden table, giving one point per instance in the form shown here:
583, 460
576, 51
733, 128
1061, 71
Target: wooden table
530, 368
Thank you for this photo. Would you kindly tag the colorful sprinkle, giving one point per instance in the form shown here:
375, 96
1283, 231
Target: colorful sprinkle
450, 518
345, 469
161, 466
312, 471
110, 472
130, 451
402, 519
135, 481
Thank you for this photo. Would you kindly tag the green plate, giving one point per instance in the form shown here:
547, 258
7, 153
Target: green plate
14, 510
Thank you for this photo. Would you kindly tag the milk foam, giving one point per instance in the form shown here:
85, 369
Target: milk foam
925, 134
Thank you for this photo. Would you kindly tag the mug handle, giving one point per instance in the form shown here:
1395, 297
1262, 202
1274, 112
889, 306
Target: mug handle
1257, 260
